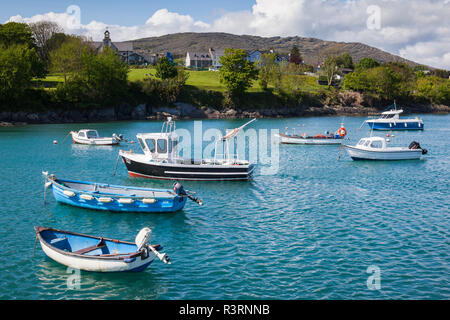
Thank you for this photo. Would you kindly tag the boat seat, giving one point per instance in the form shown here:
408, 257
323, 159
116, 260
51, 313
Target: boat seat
99, 245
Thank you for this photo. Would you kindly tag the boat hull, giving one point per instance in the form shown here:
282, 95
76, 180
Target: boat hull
306, 141
169, 171
358, 154
162, 205
95, 141
397, 125
135, 262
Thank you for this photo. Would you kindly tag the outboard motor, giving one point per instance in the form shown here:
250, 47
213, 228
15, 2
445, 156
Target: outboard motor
178, 189
416, 145
120, 137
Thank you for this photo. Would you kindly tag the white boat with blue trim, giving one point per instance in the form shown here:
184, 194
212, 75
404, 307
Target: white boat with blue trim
98, 254
390, 120
101, 196
91, 137
376, 148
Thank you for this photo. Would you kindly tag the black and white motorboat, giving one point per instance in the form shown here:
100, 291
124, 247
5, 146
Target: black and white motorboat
160, 159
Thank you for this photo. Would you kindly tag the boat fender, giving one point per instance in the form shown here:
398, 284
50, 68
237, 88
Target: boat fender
105, 200
149, 200
125, 200
178, 189
86, 197
129, 260
69, 193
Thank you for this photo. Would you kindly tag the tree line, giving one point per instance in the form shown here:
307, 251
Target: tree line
98, 78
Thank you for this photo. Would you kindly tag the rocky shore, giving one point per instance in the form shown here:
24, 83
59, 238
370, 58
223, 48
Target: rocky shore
187, 111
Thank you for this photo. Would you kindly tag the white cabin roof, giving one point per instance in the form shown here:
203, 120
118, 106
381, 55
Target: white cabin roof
392, 112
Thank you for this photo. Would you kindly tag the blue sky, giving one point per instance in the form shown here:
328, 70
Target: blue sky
418, 30
125, 13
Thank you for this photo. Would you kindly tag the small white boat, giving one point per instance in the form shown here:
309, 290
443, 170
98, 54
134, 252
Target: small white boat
375, 148
91, 137
98, 254
320, 139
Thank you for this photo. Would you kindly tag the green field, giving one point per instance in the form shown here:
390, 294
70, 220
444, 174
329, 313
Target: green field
204, 80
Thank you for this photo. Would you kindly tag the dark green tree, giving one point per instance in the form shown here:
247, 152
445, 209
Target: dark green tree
236, 73
165, 69
295, 56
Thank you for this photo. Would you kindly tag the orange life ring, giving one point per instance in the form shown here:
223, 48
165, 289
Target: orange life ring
342, 132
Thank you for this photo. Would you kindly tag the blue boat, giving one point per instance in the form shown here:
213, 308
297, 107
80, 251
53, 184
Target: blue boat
390, 120
98, 254
100, 196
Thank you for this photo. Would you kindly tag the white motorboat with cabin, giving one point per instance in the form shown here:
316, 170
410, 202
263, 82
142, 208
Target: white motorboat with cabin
376, 148
390, 120
91, 137
161, 160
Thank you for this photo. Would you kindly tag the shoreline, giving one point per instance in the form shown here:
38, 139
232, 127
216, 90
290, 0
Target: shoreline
185, 111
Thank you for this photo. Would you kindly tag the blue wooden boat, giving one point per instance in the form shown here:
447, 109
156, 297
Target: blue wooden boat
98, 254
99, 196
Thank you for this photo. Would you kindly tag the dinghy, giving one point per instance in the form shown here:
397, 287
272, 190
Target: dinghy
100, 196
160, 159
320, 139
375, 148
91, 137
390, 120
98, 254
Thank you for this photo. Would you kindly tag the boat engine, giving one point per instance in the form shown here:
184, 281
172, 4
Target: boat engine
416, 145
179, 189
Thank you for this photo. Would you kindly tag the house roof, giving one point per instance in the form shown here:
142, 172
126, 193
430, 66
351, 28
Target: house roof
199, 55
121, 46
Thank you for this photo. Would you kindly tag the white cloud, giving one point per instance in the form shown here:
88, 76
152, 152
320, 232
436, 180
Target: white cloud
415, 29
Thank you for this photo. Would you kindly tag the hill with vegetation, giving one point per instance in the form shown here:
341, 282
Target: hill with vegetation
312, 50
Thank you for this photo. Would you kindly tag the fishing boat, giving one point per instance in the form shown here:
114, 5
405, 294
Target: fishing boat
100, 196
160, 159
98, 254
320, 139
91, 137
375, 148
390, 120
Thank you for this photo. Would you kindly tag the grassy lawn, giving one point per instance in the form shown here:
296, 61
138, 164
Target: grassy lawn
206, 80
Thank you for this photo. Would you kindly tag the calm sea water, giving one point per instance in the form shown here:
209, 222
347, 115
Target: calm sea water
308, 232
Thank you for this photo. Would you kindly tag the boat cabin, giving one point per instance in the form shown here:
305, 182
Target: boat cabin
88, 134
372, 143
159, 145
394, 114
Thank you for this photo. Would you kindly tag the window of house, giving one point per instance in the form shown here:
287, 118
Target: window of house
162, 145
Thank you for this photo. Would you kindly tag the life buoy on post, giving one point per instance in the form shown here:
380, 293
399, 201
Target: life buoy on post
342, 132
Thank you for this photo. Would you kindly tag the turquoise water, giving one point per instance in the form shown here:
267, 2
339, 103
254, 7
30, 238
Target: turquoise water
308, 232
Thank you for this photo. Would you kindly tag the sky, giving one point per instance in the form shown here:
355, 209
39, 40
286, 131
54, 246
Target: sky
418, 30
